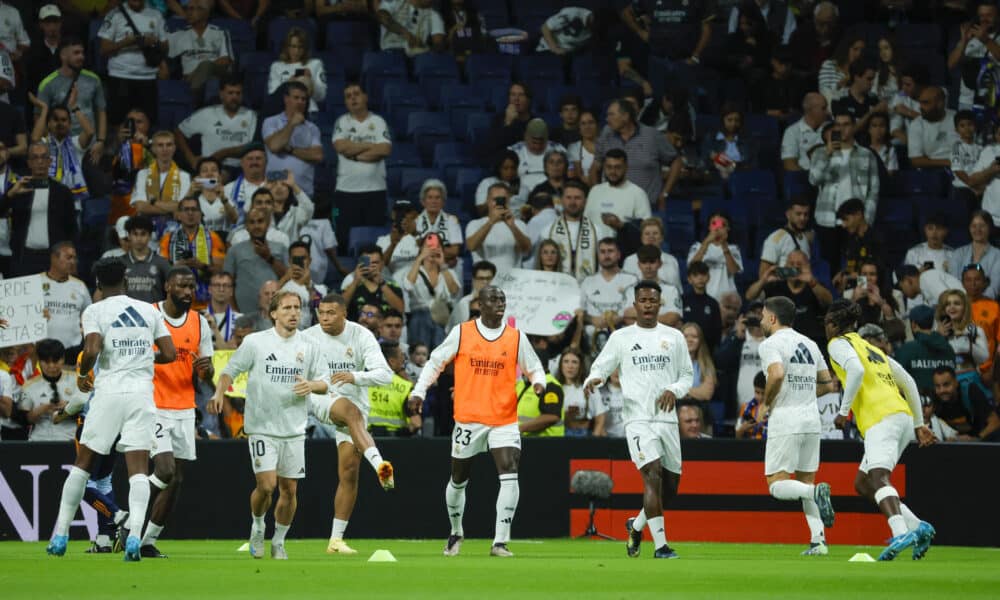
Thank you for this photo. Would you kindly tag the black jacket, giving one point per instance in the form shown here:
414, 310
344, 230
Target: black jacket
61, 216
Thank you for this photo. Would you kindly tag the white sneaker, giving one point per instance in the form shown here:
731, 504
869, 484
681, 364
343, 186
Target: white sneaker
257, 544
816, 549
501, 550
278, 551
339, 546
453, 546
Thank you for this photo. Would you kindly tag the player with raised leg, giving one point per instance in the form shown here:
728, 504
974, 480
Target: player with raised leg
655, 371
356, 362
121, 331
796, 375
284, 368
888, 422
486, 352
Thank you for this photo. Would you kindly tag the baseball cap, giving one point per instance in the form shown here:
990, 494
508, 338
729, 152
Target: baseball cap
49, 11
404, 205
923, 316
120, 227
871, 330
537, 129
850, 207
251, 147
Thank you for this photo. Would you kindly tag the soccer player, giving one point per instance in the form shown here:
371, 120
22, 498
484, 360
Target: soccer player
871, 382
173, 393
122, 331
486, 352
655, 371
285, 367
796, 374
356, 362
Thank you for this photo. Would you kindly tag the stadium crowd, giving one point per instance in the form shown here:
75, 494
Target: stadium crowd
406, 152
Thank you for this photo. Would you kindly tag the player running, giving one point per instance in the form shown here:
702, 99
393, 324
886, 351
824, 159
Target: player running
871, 382
356, 362
655, 371
487, 353
796, 374
122, 331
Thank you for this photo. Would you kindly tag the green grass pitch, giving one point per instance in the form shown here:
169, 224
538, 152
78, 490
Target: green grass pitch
547, 568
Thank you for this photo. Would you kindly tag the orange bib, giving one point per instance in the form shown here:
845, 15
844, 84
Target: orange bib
485, 377
173, 383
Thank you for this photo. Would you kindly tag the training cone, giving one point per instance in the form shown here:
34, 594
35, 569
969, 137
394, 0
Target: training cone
244, 548
861, 557
382, 556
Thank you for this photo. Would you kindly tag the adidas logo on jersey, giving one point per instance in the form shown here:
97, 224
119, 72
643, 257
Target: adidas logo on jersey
802, 356
271, 357
636, 348
129, 318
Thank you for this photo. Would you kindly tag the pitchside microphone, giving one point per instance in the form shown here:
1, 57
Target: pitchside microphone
595, 485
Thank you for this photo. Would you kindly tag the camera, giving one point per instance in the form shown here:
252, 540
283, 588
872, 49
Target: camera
299, 261
209, 183
500, 201
836, 136
787, 272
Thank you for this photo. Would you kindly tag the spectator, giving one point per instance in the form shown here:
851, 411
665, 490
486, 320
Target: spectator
419, 353
722, 258
780, 94
363, 142
400, 245
618, 204
159, 187
194, 246
251, 12
776, 15
299, 280
932, 253
13, 132
880, 143
292, 207
609, 404
204, 49
748, 48
876, 336
751, 423
505, 171
705, 379
225, 129
904, 107
577, 407
568, 131
803, 135
240, 191
218, 212
966, 409
679, 34
811, 298
725, 149
887, 76
368, 285
55, 88
220, 313
858, 100
370, 317
861, 241
581, 152
14, 38
926, 352
873, 293
908, 283
841, 170
409, 25
539, 214
964, 157
978, 41
46, 395
978, 251
294, 64
263, 199
486, 239
42, 57
932, 136
467, 33
985, 313
508, 128
649, 263
145, 270
567, 32
434, 220
532, 153
391, 328
549, 258
132, 37
813, 43
262, 318
65, 150
602, 294
66, 297
984, 176
699, 307
647, 151
941, 430
483, 273
736, 357
834, 74
322, 247
556, 165
651, 233
575, 234
794, 235
293, 143
968, 340
674, 107
6, 182
254, 261
432, 296
39, 223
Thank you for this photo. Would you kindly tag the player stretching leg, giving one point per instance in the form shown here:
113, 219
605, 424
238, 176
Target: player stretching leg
173, 392
655, 371
122, 331
871, 382
284, 368
487, 353
355, 359
796, 374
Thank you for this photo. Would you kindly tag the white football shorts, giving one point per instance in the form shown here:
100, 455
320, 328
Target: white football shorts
174, 432
886, 440
130, 414
791, 453
470, 439
287, 456
654, 440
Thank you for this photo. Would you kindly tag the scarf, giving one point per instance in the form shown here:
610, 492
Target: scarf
579, 257
171, 189
440, 227
226, 323
131, 159
66, 169
201, 248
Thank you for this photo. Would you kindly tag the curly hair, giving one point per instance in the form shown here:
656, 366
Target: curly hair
844, 314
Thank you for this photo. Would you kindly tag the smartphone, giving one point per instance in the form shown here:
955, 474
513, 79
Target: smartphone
300, 261
130, 126
945, 319
928, 264
299, 72
432, 241
277, 175
209, 183
365, 261
862, 281
836, 136
787, 272
716, 223
500, 201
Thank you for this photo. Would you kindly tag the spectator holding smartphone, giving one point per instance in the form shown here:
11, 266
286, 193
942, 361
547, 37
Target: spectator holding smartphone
368, 285
979, 39
294, 64
723, 258
432, 291
795, 281
218, 212
498, 237
299, 280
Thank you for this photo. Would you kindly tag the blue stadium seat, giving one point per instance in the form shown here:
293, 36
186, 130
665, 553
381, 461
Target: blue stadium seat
918, 35
796, 183
540, 66
175, 102
241, 35
433, 71
923, 182
363, 236
680, 229
534, 8
399, 100
333, 65
277, 29
412, 179
494, 13
100, 64
593, 67
498, 93
489, 68
895, 212
404, 156
466, 181
456, 95
450, 157
174, 23
383, 63
871, 32
255, 67
763, 128
474, 126
428, 129
750, 190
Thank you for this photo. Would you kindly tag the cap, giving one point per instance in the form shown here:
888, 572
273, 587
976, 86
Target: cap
49, 11
404, 205
850, 207
923, 316
537, 129
871, 330
250, 148
120, 227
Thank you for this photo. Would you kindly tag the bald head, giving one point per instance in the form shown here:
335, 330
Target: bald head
814, 108
932, 103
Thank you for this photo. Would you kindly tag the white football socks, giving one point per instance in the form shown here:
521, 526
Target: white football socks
152, 534
72, 494
898, 525
279, 533
507, 499
640, 520
454, 500
815, 522
790, 489
658, 532
258, 524
373, 457
912, 520
138, 501
339, 527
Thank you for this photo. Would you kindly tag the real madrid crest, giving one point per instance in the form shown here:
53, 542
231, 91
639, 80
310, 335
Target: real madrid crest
349, 353
299, 357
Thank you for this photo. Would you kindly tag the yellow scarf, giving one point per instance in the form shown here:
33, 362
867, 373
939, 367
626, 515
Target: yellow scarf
171, 189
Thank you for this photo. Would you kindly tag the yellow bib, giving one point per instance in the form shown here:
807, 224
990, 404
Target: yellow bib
878, 395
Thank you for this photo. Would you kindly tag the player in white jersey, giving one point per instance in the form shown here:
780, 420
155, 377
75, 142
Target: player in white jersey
655, 370
796, 375
284, 368
356, 362
120, 331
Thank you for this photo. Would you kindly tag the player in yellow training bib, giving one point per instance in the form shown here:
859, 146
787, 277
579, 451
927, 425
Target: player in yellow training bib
886, 419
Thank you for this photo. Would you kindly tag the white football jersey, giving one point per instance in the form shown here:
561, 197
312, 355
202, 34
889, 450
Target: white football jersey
129, 328
598, 295
357, 351
65, 301
795, 409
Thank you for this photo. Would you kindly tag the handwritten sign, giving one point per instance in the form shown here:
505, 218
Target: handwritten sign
539, 302
22, 306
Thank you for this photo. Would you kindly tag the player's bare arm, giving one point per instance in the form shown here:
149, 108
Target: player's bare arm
775, 377
92, 345
215, 404
166, 352
304, 387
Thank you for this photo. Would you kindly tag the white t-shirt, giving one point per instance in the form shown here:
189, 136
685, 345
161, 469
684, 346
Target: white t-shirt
499, 247
669, 272
922, 253
403, 255
130, 63
515, 202
421, 22
610, 401
628, 202
37, 237
749, 366
357, 176
281, 72
355, 351
36, 392
896, 120
651, 361
991, 195
213, 213
193, 49
963, 158
240, 191
65, 301
670, 300
781, 243
219, 131
578, 152
531, 167
933, 140
796, 142
139, 190
273, 363
323, 238
720, 281
129, 328
12, 32
569, 28
795, 409
598, 294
